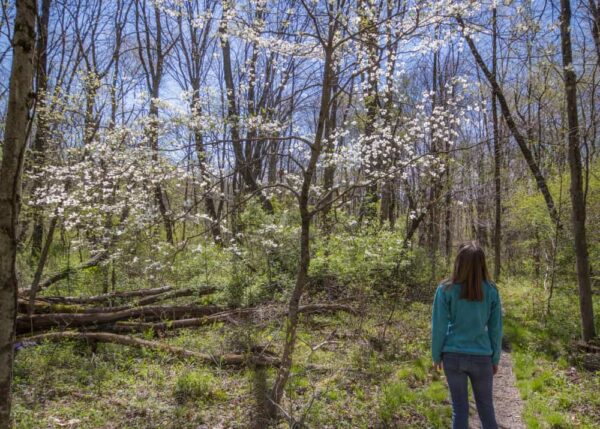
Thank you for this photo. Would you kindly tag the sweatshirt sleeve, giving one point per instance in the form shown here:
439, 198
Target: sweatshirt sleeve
439, 324
495, 329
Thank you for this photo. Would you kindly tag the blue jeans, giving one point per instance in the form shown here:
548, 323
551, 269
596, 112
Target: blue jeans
459, 366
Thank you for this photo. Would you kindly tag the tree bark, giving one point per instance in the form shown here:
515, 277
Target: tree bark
39, 143
13, 152
577, 195
595, 18
369, 44
497, 156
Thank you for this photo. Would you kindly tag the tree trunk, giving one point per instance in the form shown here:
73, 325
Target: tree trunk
303, 202
497, 155
13, 152
160, 193
209, 202
595, 18
369, 44
41, 264
577, 196
292, 316
39, 143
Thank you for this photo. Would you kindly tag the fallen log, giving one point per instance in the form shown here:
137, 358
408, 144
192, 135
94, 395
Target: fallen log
105, 297
233, 359
177, 294
149, 300
588, 347
47, 307
225, 316
591, 362
159, 318
230, 316
39, 322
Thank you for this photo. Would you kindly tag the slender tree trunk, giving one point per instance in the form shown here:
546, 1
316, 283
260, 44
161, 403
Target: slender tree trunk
272, 161
152, 54
13, 152
39, 143
329, 173
387, 203
41, 264
306, 216
433, 230
497, 155
160, 193
369, 42
595, 18
208, 200
577, 195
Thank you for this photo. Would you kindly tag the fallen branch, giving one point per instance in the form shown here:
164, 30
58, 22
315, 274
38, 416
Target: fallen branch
105, 297
145, 301
177, 294
40, 306
230, 316
225, 316
38, 322
233, 359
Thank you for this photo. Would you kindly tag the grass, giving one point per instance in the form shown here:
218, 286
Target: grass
557, 394
198, 385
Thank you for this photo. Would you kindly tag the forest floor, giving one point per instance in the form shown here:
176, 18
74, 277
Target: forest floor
371, 370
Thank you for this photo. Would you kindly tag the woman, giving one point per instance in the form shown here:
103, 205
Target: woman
467, 335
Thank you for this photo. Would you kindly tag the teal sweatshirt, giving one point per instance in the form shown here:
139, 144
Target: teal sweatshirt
462, 326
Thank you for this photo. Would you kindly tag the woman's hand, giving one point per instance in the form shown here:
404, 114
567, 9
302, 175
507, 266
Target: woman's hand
495, 369
438, 366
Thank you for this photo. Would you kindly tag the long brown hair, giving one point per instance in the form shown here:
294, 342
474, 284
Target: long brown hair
470, 271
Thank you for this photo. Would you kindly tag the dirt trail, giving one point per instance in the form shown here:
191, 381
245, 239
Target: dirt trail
507, 401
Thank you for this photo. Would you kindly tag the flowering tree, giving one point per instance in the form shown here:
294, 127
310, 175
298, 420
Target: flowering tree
161, 125
387, 146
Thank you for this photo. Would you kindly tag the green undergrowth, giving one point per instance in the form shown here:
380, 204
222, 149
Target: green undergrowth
557, 392
366, 371
349, 371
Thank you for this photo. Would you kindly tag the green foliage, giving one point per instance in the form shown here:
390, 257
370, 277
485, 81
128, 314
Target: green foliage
552, 400
198, 385
556, 394
533, 233
412, 400
370, 259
